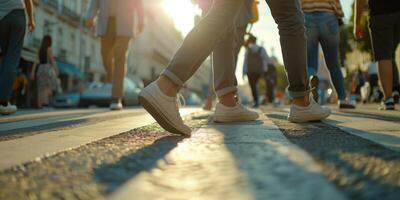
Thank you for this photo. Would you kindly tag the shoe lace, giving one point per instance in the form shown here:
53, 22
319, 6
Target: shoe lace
180, 101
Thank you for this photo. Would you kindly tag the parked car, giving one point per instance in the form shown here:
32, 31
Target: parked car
66, 100
99, 94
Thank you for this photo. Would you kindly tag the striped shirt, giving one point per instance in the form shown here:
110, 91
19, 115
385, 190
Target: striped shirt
322, 5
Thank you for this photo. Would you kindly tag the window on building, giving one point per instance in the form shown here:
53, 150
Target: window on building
73, 43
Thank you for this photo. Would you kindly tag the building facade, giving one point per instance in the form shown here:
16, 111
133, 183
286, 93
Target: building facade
77, 49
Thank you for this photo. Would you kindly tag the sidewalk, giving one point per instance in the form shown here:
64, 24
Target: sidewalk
122, 155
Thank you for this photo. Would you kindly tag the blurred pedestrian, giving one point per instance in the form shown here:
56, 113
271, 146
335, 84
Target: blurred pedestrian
159, 98
19, 87
322, 19
45, 72
255, 65
12, 32
115, 26
384, 23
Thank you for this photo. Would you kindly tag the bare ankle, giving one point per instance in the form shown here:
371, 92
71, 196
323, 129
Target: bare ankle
228, 100
301, 101
167, 86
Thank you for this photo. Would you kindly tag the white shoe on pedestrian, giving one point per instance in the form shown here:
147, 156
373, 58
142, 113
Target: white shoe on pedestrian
238, 113
164, 109
8, 110
116, 106
312, 112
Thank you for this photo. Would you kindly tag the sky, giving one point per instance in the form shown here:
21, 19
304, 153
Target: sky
182, 12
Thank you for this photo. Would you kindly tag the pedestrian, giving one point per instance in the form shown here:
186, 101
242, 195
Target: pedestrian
12, 32
45, 72
115, 26
384, 23
322, 19
255, 65
159, 98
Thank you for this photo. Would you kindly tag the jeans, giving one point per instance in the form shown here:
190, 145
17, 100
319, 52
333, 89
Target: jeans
218, 25
12, 31
323, 28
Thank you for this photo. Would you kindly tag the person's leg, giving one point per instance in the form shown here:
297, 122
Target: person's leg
224, 68
385, 74
382, 35
329, 40
107, 49
312, 31
240, 33
290, 19
270, 90
12, 31
120, 54
396, 81
253, 80
198, 44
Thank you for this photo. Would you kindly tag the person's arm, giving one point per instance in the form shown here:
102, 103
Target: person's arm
52, 60
29, 12
140, 13
359, 9
92, 13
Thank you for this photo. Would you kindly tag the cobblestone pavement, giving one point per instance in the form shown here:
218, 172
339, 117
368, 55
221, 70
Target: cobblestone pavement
267, 159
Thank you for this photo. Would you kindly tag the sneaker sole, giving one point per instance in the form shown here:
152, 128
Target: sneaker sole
308, 119
223, 119
158, 116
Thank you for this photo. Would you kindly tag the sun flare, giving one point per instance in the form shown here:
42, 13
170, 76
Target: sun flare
182, 12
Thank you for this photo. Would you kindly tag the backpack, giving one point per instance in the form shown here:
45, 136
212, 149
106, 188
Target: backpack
255, 62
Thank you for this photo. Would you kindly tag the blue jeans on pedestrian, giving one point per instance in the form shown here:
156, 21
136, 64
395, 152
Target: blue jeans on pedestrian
323, 28
12, 31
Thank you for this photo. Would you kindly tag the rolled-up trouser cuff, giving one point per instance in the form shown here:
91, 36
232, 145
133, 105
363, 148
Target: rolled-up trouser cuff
173, 77
225, 91
295, 94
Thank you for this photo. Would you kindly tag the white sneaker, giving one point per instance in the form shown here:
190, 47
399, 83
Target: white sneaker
7, 110
116, 106
312, 112
239, 113
164, 109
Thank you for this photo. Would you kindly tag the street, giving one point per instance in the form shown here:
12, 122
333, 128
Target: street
98, 154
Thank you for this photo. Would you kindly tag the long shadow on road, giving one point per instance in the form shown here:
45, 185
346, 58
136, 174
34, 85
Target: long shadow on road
261, 154
114, 175
361, 168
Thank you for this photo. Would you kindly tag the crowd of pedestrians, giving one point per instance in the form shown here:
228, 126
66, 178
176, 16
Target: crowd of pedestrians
304, 26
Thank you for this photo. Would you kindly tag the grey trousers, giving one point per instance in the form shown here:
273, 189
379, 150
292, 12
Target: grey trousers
12, 31
218, 26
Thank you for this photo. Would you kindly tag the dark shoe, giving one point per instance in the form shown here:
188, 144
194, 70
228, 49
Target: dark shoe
396, 97
343, 104
314, 82
387, 105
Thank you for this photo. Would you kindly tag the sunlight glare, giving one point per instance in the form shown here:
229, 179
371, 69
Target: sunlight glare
182, 12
